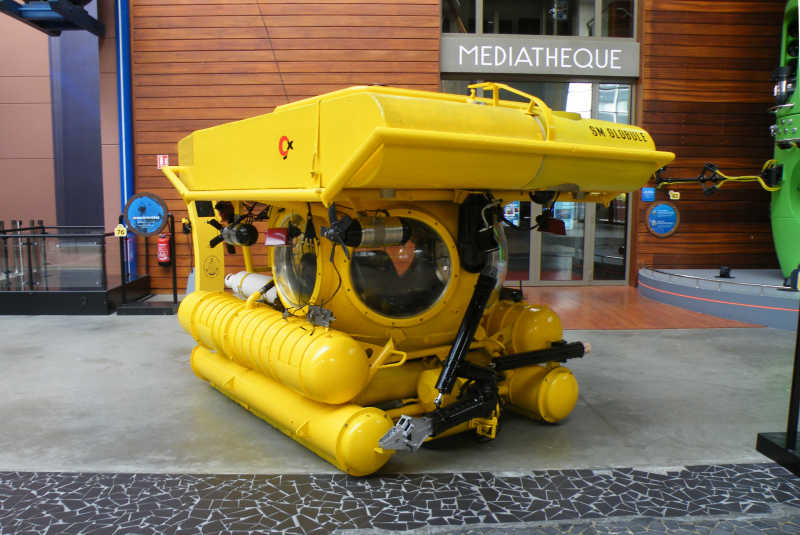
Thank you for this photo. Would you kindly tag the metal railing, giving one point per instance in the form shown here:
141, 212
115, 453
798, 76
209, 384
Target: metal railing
720, 283
48, 258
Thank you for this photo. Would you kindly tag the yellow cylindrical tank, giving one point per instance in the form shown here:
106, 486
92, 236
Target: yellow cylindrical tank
523, 327
546, 393
426, 389
397, 382
323, 364
345, 435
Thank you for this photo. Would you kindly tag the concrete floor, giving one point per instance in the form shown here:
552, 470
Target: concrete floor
116, 394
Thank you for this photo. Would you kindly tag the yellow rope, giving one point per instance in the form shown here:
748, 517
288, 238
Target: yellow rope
749, 178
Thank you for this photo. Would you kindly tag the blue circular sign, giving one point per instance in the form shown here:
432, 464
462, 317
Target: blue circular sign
146, 214
662, 219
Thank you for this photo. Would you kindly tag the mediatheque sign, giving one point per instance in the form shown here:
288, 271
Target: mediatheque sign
533, 54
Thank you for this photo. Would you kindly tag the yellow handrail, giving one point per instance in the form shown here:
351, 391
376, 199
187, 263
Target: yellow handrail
536, 106
285, 194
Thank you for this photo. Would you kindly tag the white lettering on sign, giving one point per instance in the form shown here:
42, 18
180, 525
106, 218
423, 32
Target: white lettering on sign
486, 56
554, 57
565, 57
538, 56
464, 50
615, 59
523, 56
583, 58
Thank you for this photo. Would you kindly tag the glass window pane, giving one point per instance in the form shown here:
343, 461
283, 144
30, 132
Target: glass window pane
562, 256
609, 241
458, 16
50, 263
538, 17
579, 99
519, 240
554, 94
617, 18
456, 87
614, 103
611, 222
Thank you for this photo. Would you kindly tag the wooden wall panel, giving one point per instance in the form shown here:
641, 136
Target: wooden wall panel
198, 63
703, 94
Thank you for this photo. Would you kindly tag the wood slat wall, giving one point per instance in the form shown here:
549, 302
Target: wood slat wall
703, 94
198, 63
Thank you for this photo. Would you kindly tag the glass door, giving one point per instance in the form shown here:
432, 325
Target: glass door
562, 257
610, 240
595, 244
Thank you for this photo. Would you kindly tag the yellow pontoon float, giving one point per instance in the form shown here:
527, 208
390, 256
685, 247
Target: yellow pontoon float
384, 323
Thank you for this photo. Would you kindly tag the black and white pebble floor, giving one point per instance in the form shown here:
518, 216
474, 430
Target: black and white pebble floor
720, 499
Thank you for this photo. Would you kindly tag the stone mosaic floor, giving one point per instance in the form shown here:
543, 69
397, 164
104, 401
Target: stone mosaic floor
725, 499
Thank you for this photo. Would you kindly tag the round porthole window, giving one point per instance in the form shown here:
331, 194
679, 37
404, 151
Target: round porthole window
406, 279
295, 264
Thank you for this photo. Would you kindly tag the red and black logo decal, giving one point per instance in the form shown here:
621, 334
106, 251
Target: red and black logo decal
284, 146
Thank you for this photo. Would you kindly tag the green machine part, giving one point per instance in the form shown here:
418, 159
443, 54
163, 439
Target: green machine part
785, 205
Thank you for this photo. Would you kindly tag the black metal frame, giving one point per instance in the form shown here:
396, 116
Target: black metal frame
34, 300
143, 307
782, 447
53, 16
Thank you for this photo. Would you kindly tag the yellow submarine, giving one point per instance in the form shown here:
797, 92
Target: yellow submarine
379, 320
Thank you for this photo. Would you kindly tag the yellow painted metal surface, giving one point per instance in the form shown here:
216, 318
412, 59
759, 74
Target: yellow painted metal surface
323, 364
543, 392
521, 327
344, 435
408, 156
368, 137
432, 327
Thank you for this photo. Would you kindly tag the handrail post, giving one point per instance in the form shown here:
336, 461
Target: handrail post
104, 271
44, 255
28, 246
5, 255
19, 270
794, 396
122, 264
174, 259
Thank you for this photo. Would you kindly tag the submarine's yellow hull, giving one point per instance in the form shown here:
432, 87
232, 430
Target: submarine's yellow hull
346, 338
346, 433
383, 138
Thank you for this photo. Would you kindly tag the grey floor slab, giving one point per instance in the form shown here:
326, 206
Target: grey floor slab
115, 394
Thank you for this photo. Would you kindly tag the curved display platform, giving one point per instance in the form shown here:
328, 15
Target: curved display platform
750, 295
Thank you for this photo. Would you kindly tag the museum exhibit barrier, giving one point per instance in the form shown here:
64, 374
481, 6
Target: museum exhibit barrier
756, 296
60, 270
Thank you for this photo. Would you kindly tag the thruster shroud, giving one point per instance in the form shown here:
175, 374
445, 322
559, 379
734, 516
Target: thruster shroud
384, 323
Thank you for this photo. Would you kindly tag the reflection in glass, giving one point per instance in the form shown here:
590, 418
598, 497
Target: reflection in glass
538, 17
617, 18
458, 16
456, 87
295, 264
609, 239
562, 256
53, 259
402, 281
519, 240
579, 99
614, 103
554, 94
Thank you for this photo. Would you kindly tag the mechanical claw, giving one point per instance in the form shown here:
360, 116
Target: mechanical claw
408, 434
